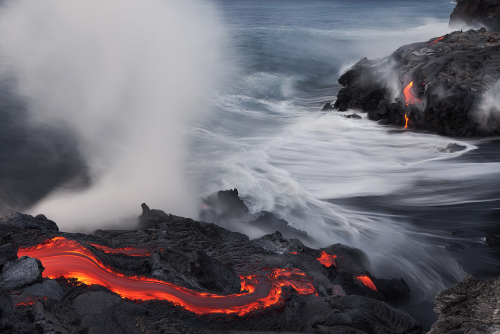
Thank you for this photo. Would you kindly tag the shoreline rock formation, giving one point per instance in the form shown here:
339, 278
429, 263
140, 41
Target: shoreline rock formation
447, 85
482, 13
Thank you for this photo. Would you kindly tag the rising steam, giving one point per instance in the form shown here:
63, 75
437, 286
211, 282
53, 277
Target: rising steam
126, 77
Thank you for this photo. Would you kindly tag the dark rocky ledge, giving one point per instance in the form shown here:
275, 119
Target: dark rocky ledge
471, 306
454, 77
482, 13
203, 257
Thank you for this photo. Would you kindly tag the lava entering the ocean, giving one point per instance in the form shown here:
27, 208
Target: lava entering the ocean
68, 258
406, 121
409, 97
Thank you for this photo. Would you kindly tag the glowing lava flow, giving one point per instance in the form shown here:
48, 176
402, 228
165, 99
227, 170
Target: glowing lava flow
406, 121
409, 97
130, 251
63, 257
327, 260
435, 41
366, 281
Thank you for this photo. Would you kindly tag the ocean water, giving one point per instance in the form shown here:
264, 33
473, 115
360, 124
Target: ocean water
160, 102
393, 193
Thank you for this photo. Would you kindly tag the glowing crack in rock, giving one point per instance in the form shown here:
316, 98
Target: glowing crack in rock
327, 260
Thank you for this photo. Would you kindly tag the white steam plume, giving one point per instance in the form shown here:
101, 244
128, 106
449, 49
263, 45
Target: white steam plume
127, 77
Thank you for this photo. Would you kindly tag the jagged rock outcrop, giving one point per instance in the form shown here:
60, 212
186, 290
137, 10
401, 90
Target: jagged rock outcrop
482, 13
454, 85
471, 306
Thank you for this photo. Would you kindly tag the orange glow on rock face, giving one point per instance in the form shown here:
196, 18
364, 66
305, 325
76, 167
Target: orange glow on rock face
68, 258
409, 97
367, 281
435, 41
130, 251
327, 260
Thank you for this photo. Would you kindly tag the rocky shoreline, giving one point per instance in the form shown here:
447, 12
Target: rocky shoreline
206, 258
447, 85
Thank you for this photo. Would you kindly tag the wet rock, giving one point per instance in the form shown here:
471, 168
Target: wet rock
476, 13
452, 148
24, 221
456, 247
470, 306
327, 106
457, 232
354, 116
277, 243
49, 288
269, 223
20, 273
451, 77
493, 240
213, 274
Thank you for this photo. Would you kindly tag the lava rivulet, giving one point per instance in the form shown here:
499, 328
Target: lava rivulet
68, 258
130, 251
327, 260
435, 41
409, 97
367, 281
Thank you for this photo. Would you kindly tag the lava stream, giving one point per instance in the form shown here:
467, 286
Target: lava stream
63, 257
409, 97
435, 41
406, 121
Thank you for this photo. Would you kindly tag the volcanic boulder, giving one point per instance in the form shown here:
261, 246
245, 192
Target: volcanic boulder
471, 306
451, 80
20, 273
482, 13
24, 221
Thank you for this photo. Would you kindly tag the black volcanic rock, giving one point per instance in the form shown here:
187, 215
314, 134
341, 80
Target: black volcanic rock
471, 306
206, 258
484, 13
24, 221
450, 76
213, 274
20, 273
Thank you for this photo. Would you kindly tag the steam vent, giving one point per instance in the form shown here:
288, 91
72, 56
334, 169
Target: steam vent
447, 85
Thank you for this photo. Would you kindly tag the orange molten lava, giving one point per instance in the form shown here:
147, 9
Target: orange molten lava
366, 281
130, 251
435, 41
327, 260
63, 257
406, 121
409, 97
